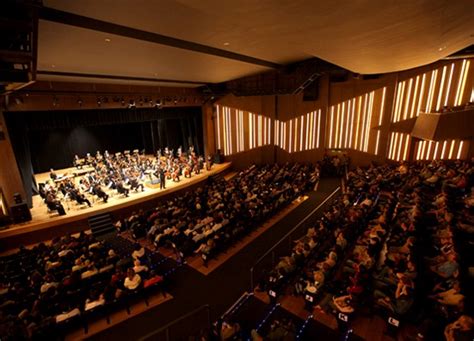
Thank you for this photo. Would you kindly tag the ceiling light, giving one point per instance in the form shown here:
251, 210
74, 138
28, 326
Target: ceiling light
226, 44
53, 66
442, 48
107, 40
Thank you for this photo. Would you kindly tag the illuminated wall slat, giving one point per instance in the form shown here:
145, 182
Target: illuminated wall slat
443, 150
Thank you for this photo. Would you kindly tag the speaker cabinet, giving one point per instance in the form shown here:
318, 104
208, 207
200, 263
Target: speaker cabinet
20, 213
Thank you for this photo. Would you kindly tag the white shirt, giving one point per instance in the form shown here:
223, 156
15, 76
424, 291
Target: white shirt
133, 283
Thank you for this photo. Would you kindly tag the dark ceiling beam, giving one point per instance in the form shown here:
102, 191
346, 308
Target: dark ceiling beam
128, 78
67, 18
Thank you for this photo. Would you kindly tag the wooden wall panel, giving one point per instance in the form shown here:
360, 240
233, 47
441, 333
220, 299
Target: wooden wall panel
10, 178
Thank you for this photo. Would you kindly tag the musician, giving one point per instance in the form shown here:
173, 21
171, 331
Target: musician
54, 204
121, 188
162, 177
209, 162
79, 197
97, 190
77, 162
135, 184
52, 174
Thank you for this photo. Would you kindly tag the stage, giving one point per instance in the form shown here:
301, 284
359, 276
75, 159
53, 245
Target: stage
45, 225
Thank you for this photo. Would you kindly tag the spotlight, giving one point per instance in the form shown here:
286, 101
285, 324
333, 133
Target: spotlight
18, 100
79, 101
131, 104
99, 101
55, 101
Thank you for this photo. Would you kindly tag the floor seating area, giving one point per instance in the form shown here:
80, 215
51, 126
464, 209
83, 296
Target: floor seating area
390, 246
210, 219
55, 288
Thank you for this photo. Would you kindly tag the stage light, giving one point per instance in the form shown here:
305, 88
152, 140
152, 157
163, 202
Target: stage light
55, 101
79, 101
99, 102
131, 103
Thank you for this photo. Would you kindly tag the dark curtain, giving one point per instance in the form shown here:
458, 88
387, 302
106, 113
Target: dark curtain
50, 139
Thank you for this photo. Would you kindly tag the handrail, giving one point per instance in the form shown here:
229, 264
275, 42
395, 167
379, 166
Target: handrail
179, 319
288, 234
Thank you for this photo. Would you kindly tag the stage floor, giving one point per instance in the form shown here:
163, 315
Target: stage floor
43, 219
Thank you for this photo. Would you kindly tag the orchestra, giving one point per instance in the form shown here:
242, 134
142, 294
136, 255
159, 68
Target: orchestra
120, 172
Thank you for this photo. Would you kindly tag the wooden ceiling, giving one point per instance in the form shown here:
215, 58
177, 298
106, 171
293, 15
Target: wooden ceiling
189, 42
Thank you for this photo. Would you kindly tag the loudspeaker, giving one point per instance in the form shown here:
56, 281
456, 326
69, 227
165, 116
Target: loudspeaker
20, 213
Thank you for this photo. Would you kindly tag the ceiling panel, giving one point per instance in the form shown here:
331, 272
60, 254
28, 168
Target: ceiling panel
365, 36
66, 48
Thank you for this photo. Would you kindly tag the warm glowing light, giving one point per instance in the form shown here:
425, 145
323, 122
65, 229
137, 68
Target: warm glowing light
218, 128
407, 103
318, 128
418, 150
464, 82
290, 140
429, 150
397, 102
377, 142
309, 118
331, 115
431, 91
423, 157
250, 131
351, 142
390, 149
358, 122
364, 117
451, 150
407, 142
295, 139
301, 132
444, 150
336, 140
435, 153
461, 76
395, 145
382, 105
448, 88
412, 111
399, 147
400, 107
461, 145
422, 94
441, 88
348, 119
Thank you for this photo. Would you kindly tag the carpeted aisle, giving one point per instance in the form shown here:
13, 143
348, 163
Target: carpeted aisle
222, 287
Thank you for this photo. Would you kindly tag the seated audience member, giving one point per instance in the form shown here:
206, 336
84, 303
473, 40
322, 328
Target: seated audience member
132, 281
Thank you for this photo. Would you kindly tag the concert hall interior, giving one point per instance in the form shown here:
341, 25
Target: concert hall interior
236, 170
